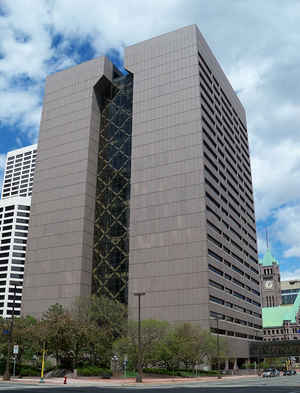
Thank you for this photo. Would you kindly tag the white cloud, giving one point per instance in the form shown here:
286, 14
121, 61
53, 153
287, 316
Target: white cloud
256, 43
261, 244
2, 161
276, 173
290, 275
2, 166
287, 229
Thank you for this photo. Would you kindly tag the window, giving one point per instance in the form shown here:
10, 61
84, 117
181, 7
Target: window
23, 207
20, 241
17, 268
216, 285
215, 256
216, 300
18, 255
22, 214
215, 270
19, 248
17, 261
14, 275
21, 234
22, 221
21, 227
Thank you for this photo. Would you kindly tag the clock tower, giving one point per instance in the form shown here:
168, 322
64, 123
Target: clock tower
270, 281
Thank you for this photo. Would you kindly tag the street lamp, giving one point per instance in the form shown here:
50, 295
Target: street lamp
139, 373
6, 376
217, 318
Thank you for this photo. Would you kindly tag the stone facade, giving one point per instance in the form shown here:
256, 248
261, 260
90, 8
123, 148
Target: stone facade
192, 237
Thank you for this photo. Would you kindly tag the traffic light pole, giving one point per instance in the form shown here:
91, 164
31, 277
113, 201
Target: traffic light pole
6, 376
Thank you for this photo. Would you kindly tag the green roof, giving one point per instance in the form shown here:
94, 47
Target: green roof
268, 259
274, 316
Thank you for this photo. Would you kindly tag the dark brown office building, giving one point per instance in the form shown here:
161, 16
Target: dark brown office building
143, 183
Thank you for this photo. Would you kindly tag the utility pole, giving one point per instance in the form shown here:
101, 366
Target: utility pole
139, 377
6, 376
218, 346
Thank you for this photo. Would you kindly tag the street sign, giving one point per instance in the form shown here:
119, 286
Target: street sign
16, 349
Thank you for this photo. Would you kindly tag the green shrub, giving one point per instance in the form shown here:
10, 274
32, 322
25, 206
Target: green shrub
93, 371
29, 371
179, 373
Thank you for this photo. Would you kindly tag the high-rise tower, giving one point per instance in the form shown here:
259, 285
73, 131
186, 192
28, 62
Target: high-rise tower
19, 172
144, 183
14, 224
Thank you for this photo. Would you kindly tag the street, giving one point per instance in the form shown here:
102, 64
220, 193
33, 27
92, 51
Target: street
288, 384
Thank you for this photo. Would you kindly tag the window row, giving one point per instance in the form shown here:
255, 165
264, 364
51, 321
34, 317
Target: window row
236, 282
237, 175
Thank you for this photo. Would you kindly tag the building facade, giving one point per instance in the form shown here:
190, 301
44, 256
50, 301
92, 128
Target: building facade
282, 322
281, 302
271, 286
143, 183
14, 222
289, 291
19, 172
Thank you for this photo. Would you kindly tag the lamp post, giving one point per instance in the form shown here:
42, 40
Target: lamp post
6, 376
217, 318
139, 373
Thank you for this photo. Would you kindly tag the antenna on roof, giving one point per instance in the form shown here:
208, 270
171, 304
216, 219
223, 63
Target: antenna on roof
267, 238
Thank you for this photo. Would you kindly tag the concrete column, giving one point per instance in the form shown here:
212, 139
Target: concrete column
235, 366
226, 364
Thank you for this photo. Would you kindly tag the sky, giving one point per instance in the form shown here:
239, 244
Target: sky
256, 42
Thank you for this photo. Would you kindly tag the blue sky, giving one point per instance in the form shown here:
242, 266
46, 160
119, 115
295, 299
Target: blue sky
257, 44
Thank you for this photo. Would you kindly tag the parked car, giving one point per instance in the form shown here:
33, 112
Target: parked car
289, 372
276, 372
269, 372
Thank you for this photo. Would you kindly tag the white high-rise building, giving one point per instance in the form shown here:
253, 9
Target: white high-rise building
19, 171
14, 221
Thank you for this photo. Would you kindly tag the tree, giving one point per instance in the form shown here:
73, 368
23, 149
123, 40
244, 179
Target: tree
153, 333
24, 335
197, 344
99, 322
57, 330
169, 346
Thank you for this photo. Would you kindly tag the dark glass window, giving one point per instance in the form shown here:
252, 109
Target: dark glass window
23, 207
111, 241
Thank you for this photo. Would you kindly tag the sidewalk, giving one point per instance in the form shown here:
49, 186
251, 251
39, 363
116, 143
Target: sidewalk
123, 382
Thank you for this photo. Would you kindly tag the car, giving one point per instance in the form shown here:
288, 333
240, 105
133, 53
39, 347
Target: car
268, 373
276, 372
289, 372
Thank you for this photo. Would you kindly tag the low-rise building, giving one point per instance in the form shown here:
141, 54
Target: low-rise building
280, 301
289, 291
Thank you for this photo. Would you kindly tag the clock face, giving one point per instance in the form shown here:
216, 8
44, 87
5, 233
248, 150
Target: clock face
268, 284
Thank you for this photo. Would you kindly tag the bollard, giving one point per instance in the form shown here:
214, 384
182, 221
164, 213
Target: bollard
65, 380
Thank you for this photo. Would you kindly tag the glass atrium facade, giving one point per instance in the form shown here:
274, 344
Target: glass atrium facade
111, 237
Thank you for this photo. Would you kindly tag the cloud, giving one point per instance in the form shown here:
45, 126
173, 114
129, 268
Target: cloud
290, 275
2, 167
287, 229
276, 170
256, 43
2, 161
261, 244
